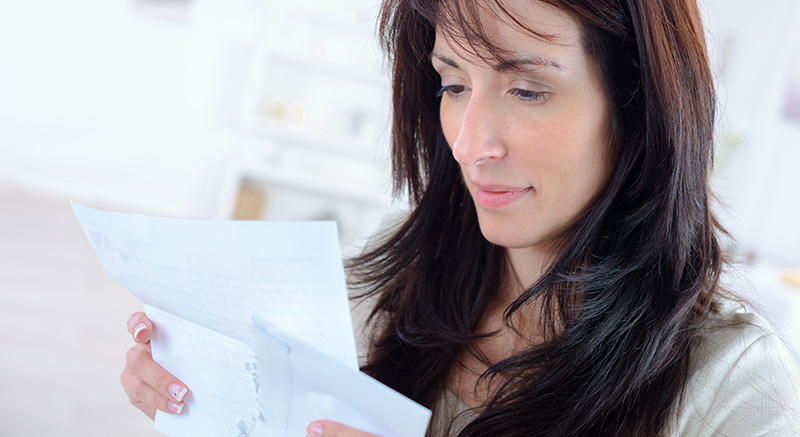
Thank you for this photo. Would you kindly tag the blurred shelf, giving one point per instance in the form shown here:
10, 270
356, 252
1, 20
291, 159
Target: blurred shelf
288, 136
377, 78
322, 14
324, 184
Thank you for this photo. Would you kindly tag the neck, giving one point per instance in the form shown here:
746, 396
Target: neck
526, 267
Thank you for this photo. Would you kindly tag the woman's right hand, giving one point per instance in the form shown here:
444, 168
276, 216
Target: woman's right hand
148, 386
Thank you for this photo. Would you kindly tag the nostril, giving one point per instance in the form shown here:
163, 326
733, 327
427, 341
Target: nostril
473, 156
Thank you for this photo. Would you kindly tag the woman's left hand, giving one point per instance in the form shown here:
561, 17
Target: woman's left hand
329, 428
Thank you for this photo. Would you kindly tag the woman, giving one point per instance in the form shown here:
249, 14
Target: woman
559, 273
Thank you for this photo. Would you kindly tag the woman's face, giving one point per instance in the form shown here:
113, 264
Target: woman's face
532, 141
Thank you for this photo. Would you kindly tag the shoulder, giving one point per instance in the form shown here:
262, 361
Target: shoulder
743, 381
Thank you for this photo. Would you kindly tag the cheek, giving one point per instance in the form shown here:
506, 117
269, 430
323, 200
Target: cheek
594, 154
585, 171
570, 162
450, 121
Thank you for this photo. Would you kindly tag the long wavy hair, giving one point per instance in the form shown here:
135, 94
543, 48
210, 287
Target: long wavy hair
632, 281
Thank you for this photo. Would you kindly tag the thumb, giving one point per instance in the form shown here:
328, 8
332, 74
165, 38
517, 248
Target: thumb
329, 428
140, 327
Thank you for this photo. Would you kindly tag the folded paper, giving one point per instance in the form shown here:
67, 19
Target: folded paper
201, 283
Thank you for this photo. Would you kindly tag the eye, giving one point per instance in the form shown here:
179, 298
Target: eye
451, 90
527, 95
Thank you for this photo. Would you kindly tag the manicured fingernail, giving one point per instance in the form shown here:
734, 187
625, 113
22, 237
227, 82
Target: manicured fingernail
177, 391
139, 328
314, 429
175, 407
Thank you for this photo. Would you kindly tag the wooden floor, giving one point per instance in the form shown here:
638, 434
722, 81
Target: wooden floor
62, 327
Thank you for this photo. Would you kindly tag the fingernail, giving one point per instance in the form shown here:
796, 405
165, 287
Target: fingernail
177, 391
175, 407
314, 429
139, 328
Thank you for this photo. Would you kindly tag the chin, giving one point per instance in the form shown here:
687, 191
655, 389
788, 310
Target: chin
515, 232
503, 234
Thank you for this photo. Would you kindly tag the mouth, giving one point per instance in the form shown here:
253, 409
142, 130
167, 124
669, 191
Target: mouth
497, 196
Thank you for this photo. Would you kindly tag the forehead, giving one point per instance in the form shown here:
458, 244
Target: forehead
494, 31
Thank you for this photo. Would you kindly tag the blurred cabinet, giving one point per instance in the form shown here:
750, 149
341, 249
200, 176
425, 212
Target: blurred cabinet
313, 106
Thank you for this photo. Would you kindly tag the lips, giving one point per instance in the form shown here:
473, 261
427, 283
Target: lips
498, 196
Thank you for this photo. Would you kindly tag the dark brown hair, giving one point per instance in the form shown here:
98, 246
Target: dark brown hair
632, 282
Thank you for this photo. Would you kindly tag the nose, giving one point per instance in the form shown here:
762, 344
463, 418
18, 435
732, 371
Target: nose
480, 136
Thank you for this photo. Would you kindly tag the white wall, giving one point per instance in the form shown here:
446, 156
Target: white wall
756, 46
100, 101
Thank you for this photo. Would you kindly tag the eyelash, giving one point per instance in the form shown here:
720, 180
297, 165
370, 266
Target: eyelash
449, 89
526, 95
521, 94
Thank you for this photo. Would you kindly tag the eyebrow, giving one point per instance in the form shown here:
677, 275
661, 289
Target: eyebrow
506, 65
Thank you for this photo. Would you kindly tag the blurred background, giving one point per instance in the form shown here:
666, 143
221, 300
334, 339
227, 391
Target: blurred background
275, 109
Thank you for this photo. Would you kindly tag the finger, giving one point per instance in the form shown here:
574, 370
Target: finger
146, 398
140, 327
329, 428
148, 410
142, 366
